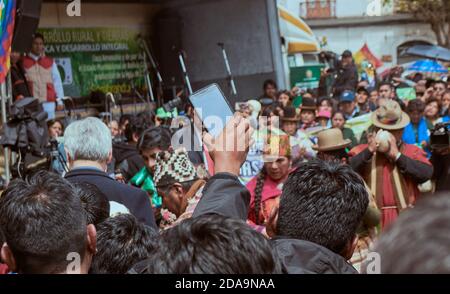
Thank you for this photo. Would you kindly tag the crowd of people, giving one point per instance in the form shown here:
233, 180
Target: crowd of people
314, 185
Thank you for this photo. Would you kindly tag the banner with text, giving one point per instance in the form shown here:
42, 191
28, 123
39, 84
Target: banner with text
96, 59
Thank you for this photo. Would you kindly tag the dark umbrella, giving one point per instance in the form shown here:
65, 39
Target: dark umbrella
430, 51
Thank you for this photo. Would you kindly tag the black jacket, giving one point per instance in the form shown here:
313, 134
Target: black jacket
441, 164
346, 79
136, 200
128, 160
303, 257
226, 196
19, 81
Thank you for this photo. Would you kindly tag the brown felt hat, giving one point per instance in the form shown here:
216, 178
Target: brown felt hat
389, 116
331, 139
290, 114
308, 104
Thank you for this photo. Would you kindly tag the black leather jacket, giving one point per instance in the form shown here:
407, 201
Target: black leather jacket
226, 196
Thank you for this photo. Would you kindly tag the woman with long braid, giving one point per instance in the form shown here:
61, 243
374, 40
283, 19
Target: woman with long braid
265, 188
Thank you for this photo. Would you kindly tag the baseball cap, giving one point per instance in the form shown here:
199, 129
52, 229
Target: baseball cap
347, 53
347, 96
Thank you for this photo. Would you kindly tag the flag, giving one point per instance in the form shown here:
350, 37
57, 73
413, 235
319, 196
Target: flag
367, 63
364, 54
7, 16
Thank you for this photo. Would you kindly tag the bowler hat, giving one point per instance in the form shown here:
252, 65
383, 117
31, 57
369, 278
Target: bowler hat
290, 114
308, 104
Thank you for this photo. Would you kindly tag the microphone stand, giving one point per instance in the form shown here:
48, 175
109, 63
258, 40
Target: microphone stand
155, 67
148, 81
136, 93
230, 77
185, 74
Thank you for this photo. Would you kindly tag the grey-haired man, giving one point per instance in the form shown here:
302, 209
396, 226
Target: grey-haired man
88, 145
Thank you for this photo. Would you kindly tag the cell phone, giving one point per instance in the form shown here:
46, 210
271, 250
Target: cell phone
213, 108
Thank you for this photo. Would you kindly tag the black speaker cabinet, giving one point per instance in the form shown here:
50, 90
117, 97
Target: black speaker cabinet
168, 36
27, 21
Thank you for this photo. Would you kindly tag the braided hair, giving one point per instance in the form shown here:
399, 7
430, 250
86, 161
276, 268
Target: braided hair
258, 194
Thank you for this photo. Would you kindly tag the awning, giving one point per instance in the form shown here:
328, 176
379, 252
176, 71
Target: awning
298, 35
430, 51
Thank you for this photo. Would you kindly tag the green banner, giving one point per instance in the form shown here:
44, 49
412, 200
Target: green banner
306, 77
96, 59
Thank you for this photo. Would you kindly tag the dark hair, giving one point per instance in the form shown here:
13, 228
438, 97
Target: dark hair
186, 186
415, 105
122, 241
2, 239
385, 83
337, 155
53, 121
212, 244
43, 221
155, 137
38, 35
324, 98
417, 77
50, 123
429, 83
431, 100
269, 83
135, 126
258, 194
147, 119
124, 118
322, 202
284, 92
339, 112
272, 108
94, 202
417, 243
441, 82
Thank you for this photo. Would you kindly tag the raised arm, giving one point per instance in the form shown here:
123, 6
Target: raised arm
224, 194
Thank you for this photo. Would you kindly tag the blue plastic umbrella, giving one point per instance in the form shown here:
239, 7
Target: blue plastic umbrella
427, 66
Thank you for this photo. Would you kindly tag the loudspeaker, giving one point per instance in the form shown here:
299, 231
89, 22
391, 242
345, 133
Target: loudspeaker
27, 21
168, 36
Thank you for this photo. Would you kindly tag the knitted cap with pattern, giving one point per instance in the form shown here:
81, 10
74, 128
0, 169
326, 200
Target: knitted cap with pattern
173, 167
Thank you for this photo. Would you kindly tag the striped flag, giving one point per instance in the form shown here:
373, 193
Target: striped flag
7, 16
363, 58
364, 54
